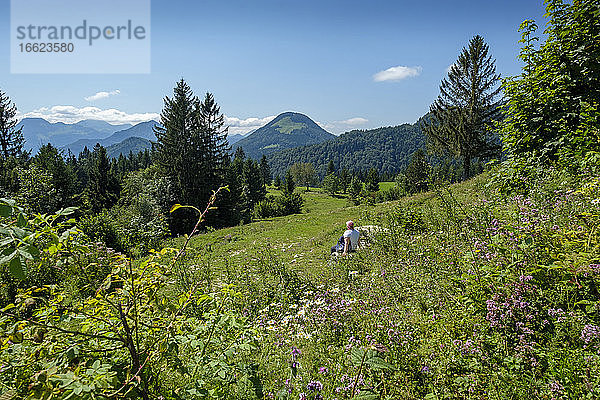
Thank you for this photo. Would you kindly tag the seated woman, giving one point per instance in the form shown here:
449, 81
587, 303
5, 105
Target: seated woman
348, 241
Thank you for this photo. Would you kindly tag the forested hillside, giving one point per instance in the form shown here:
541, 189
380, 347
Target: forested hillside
386, 149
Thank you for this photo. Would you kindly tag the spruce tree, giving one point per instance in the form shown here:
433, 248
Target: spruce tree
417, 172
289, 185
214, 140
11, 138
355, 188
178, 144
372, 182
460, 120
64, 179
265, 170
331, 184
330, 167
103, 187
344, 179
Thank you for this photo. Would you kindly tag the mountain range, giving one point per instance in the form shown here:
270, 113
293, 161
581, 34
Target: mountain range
143, 130
38, 132
118, 139
287, 130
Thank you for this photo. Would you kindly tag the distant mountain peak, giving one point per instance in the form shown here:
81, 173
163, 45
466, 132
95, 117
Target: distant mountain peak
287, 130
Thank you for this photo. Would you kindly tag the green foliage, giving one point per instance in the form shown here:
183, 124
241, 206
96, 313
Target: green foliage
331, 184
64, 181
372, 181
136, 334
417, 173
103, 188
103, 228
45, 250
304, 174
36, 189
289, 184
192, 150
265, 171
355, 188
552, 111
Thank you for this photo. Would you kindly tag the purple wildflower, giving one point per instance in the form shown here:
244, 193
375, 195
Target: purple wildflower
314, 386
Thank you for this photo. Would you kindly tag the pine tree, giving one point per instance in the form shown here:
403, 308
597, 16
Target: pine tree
265, 170
11, 138
331, 184
103, 187
417, 172
214, 139
330, 167
461, 117
289, 185
178, 144
64, 179
372, 182
355, 188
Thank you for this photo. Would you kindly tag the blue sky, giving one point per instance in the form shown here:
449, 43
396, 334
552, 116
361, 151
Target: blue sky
263, 57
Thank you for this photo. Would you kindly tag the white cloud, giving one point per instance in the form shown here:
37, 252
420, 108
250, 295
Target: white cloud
339, 127
397, 73
243, 126
72, 114
354, 121
102, 95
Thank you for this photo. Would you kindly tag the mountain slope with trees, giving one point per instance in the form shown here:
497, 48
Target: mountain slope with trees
386, 149
287, 130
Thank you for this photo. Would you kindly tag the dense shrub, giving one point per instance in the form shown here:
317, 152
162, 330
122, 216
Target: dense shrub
552, 107
103, 228
277, 206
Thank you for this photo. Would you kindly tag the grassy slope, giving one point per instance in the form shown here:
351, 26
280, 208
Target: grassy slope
304, 240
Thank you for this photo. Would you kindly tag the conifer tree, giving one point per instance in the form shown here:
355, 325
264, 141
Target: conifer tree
178, 144
460, 120
417, 172
330, 167
344, 179
372, 182
216, 148
103, 187
11, 137
265, 170
355, 188
289, 185
64, 179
